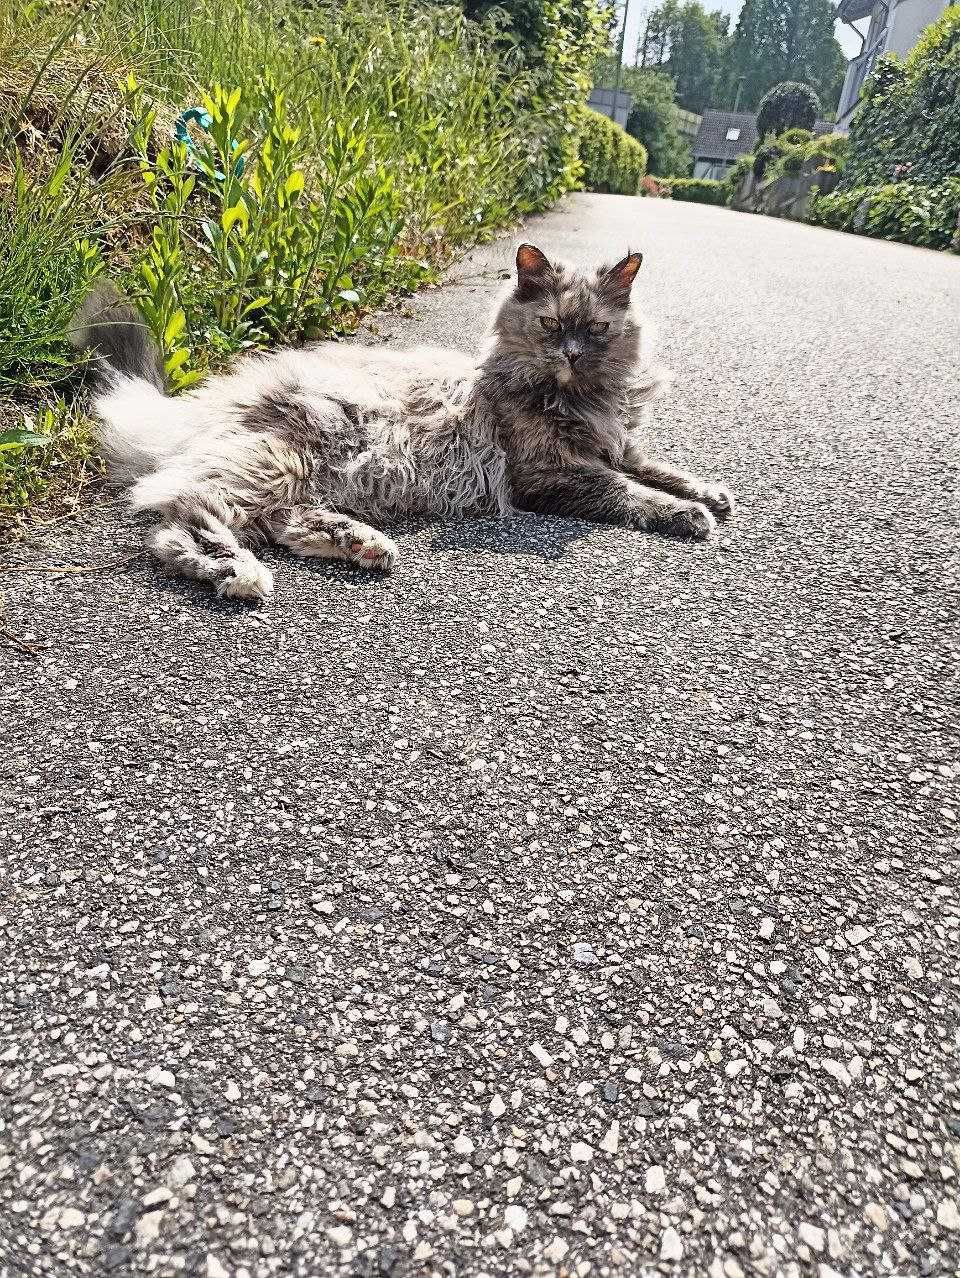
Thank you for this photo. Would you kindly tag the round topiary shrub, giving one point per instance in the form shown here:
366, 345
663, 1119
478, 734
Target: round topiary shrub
790, 105
796, 137
792, 162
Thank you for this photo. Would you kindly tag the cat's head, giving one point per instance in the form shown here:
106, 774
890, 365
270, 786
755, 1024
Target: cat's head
570, 328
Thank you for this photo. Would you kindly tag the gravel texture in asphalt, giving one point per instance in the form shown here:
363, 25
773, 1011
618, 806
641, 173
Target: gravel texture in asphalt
570, 902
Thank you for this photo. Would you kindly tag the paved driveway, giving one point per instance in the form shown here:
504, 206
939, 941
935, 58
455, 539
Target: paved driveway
572, 902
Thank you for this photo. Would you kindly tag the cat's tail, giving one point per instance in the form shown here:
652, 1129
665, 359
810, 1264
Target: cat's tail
140, 427
113, 330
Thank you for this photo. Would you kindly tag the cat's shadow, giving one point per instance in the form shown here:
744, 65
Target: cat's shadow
537, 536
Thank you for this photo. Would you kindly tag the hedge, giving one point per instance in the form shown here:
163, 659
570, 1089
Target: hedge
612, 160
698, 190
911, 212
908, 125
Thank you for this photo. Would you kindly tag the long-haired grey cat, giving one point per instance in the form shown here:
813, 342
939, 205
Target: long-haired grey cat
314, 449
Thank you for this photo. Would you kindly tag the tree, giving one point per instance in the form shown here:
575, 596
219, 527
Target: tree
778, 40
787, 106
653, 121
689, 44
575, 26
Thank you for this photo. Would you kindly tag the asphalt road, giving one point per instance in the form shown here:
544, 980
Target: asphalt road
570, 902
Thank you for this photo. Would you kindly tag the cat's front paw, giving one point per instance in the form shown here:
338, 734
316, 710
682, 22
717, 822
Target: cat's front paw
718, 499
369, 548
688, 520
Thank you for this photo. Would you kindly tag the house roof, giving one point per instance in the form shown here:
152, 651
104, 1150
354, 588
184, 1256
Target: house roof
712, 142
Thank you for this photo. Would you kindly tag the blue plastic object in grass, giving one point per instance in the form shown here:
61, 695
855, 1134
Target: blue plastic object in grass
197, 115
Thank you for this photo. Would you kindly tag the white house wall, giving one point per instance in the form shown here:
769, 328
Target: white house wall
907, 22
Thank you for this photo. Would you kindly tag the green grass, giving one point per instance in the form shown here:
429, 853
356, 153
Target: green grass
376, 138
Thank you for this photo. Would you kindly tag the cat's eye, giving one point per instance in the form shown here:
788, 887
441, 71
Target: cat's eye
599, 328
549, 323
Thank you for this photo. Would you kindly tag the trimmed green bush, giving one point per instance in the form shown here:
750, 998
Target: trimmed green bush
835, 212
907, 211
612, 160
796, 137
792, 162
766, 155
831, 151
907, 128
739, 170
698, 190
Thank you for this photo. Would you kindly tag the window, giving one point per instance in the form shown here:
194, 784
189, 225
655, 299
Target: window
733, 135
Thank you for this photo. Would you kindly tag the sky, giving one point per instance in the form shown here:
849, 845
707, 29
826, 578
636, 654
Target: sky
639, 8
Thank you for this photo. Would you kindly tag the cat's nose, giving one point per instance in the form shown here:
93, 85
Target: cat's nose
572, 356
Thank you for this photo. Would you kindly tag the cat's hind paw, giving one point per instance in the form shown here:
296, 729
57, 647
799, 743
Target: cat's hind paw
249, 579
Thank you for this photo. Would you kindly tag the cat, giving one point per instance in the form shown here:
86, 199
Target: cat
312, 448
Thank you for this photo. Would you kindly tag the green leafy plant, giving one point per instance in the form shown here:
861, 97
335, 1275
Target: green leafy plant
49, 443
829, 151
18, 479
899, 167
791, 153
836, 211
555, 45
766, 155
162, 272
235, 204
738, 171
17, 437
46, 266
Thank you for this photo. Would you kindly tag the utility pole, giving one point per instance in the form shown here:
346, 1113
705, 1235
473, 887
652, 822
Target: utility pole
616, 82
736, 100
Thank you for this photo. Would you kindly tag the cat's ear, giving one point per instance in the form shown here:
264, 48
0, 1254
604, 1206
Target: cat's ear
533, 269
616, 281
